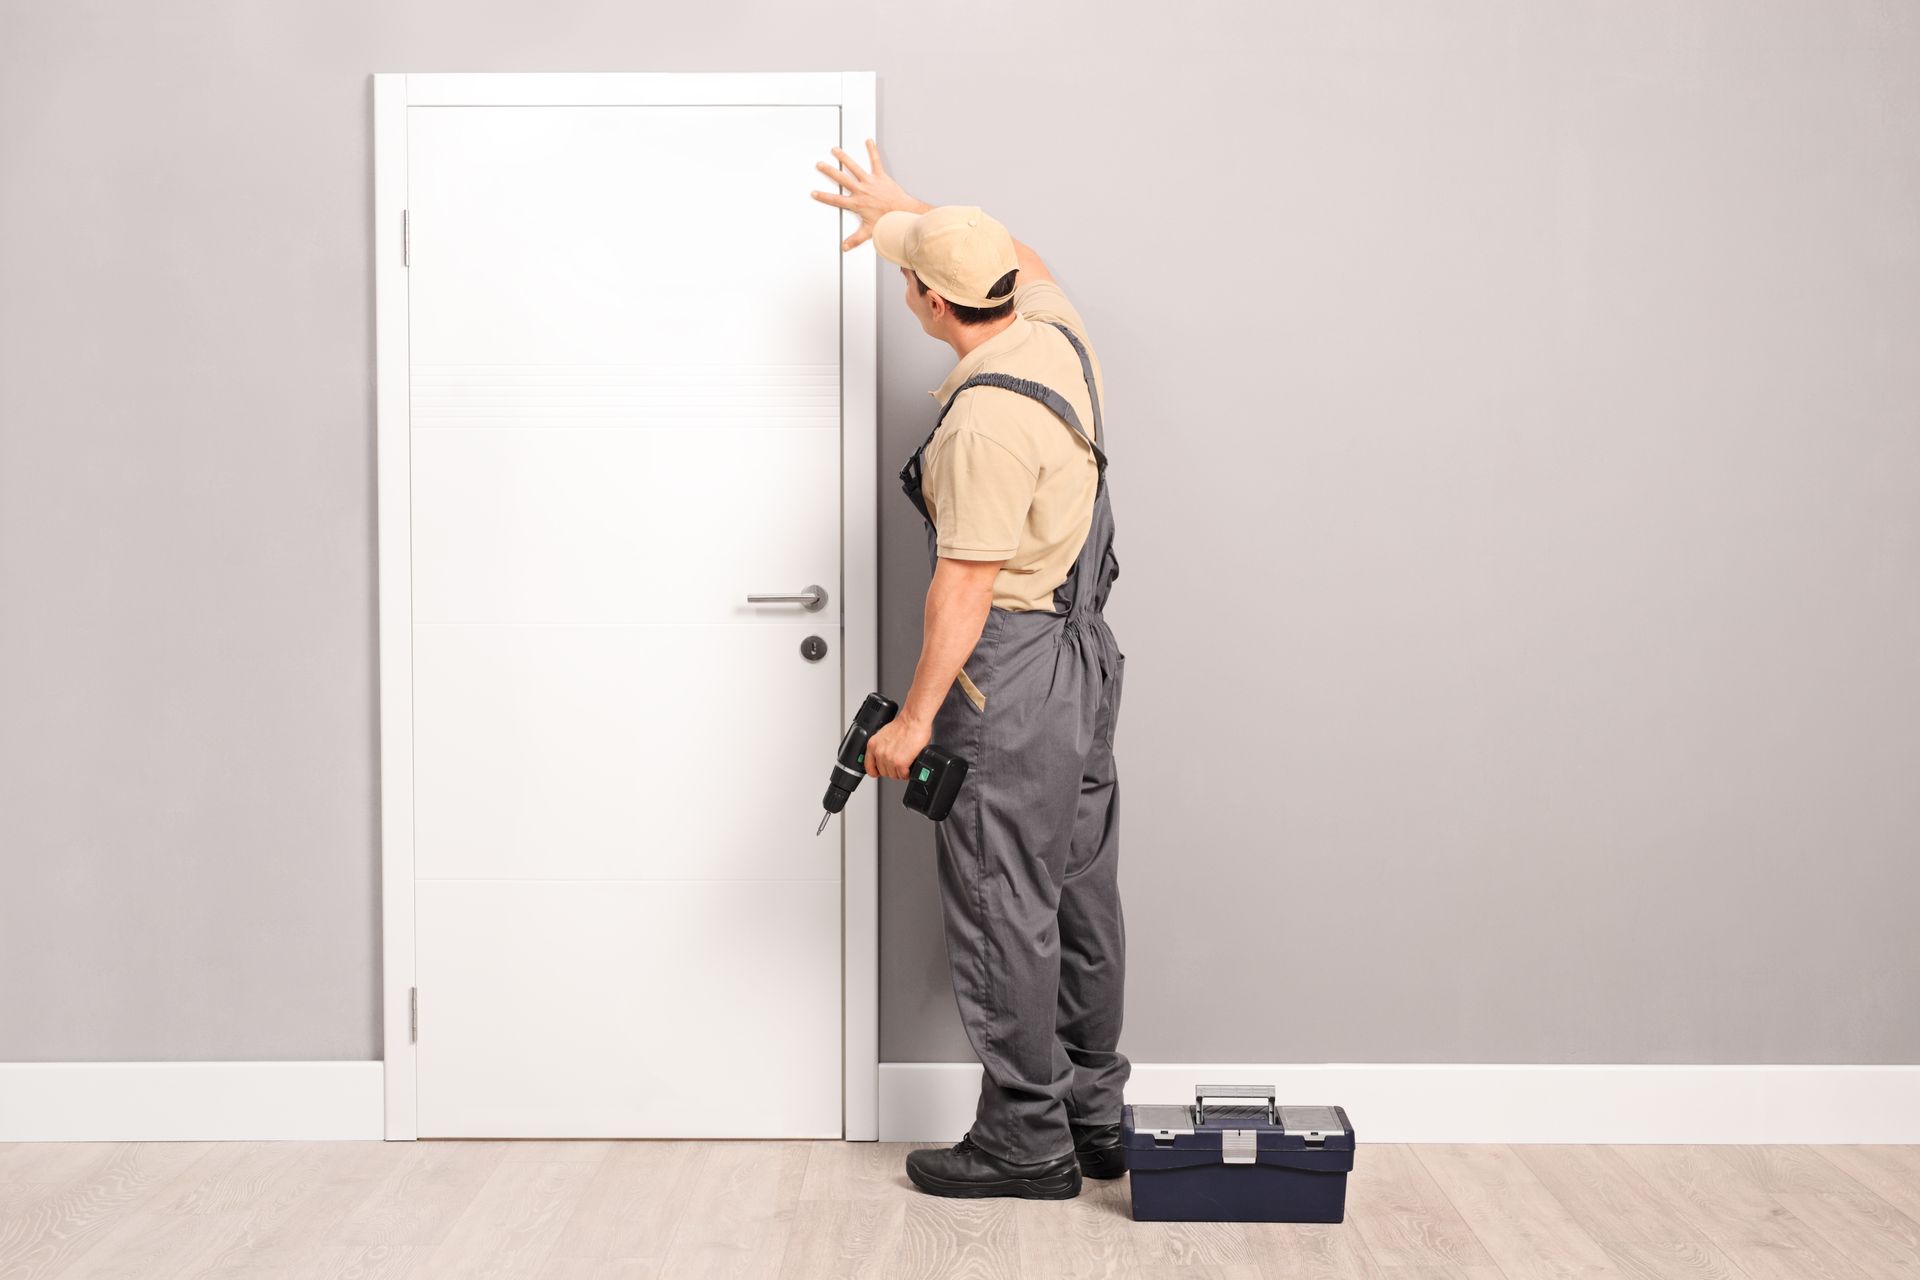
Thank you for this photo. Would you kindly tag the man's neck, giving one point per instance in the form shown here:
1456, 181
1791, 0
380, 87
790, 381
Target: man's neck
968, 336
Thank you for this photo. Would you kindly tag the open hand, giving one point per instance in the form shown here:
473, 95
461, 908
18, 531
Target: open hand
868, 195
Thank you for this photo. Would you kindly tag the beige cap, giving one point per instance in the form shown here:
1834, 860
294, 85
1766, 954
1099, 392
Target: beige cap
957, 250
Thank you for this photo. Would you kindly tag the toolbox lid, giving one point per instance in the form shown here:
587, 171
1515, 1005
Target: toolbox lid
1314, 1123
1221, 1123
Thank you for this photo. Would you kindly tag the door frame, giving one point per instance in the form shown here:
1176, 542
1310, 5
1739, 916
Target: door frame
393, 93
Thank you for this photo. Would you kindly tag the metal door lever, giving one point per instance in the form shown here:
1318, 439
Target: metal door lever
813, 599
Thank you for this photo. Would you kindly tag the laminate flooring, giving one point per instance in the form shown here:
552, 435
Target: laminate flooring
807, 1210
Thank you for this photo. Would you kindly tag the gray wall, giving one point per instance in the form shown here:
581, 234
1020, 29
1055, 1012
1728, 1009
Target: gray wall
1516, 430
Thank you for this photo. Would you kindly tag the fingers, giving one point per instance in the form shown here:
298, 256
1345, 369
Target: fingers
882, 758
851, 178
847, 160
838, 175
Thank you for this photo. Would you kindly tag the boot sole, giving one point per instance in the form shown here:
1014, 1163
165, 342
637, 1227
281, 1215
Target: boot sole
1060, 1186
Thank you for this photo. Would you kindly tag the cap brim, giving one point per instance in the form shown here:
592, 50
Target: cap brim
890, 235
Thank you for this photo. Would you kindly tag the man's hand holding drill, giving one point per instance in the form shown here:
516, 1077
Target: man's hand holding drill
892, 751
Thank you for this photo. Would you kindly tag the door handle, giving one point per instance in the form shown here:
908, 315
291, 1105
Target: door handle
813, 599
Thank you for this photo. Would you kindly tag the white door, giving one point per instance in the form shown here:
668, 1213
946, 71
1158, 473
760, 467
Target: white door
624, 361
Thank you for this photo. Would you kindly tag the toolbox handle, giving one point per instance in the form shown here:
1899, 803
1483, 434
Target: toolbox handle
1263, 1092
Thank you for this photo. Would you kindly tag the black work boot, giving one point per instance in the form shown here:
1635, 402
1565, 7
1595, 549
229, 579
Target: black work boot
1098, 1149
966, 1171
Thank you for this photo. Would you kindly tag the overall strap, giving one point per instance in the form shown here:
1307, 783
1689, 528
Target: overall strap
1033, 391
1086, 371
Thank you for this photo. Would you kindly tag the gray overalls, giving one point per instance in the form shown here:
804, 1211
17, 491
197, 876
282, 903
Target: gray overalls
1028, 857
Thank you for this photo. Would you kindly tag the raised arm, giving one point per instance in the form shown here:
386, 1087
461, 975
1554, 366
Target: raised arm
868, 195
1031, 268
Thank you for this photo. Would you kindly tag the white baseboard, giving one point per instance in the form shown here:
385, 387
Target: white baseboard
934, 1101
188, 1101
1449, 1102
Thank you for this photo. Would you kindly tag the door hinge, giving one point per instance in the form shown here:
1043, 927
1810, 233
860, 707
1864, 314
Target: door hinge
413, 1014
406, 238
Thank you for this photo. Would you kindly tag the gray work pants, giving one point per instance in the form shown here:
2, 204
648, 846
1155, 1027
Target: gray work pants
1028, 858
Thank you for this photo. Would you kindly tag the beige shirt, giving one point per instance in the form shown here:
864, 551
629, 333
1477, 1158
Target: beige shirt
1004, 477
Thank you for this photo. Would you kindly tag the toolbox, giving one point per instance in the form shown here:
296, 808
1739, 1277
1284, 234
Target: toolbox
1237, 1156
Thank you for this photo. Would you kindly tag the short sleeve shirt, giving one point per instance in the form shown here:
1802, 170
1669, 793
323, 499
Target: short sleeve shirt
1005, 478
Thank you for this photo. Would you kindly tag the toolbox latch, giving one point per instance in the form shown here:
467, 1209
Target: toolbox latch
1239, 1146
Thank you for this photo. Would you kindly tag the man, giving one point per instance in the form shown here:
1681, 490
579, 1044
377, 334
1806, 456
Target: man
1018, 673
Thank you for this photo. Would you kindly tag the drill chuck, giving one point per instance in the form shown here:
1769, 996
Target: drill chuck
850, 765
840, 788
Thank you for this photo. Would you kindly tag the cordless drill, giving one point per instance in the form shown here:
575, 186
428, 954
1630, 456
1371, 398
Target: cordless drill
932, 783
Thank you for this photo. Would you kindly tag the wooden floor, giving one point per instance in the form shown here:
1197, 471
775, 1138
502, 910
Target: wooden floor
268, 1211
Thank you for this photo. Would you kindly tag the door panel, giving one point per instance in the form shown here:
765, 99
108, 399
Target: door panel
625, 417
582, 752
582, 525
565, 236
589, 1008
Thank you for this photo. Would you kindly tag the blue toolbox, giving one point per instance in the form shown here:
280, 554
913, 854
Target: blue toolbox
1236, 1156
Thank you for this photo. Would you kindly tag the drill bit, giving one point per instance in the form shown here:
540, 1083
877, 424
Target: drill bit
825, 818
